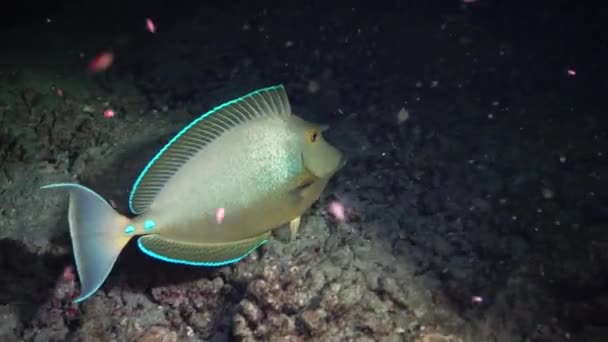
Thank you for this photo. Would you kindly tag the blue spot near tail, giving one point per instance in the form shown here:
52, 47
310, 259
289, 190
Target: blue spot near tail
197, 263
130, 230
149, 225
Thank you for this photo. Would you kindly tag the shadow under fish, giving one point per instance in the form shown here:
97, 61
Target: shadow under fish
251, 158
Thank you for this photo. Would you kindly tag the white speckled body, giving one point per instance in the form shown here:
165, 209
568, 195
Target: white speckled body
249, 171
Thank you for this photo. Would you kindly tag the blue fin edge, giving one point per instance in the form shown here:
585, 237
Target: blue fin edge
184, 130
196, 263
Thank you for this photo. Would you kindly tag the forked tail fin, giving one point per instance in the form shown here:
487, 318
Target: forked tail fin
98, 235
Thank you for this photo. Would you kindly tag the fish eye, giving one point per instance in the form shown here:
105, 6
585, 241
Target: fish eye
313, 135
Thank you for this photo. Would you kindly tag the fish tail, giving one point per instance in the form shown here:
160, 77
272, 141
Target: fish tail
98, 236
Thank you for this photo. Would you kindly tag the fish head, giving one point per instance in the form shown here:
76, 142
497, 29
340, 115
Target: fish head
318, 155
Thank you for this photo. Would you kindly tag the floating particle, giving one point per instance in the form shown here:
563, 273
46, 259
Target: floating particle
66, 285
88, 109
71, 311
477, 299
313, 86
219, 215
68, 273
547, 193
571, 72
562, 159
150, 26
403, 115
101, 62
109, 113
59, 92
337, 210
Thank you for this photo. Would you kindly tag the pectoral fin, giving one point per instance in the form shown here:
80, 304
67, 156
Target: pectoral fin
199, 254
287, 233
294, 226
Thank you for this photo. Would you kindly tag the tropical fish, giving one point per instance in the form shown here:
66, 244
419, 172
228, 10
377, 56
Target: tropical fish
251, 158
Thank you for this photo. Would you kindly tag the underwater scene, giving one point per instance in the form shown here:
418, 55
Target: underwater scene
398, 170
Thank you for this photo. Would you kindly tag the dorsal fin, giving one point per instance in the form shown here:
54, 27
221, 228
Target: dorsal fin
270, 101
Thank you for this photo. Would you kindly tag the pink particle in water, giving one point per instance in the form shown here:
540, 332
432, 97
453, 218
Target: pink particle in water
68, 273
337, 210
109, 113
571, 72
150, 26
59, 92
219, 215
65, 287
101, 62
477, 299
71, 310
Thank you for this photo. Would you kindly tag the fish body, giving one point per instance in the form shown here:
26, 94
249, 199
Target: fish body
251, 158
251, 181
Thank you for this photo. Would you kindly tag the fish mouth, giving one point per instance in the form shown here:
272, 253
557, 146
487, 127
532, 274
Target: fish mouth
305, 185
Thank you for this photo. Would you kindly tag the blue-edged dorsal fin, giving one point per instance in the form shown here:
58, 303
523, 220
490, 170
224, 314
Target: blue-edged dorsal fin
270, 101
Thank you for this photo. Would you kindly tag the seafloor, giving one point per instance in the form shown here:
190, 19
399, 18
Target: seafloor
481, 216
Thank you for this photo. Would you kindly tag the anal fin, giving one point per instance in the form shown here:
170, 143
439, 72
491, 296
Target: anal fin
199, 254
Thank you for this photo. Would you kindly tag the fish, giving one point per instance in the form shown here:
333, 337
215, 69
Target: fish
252, 158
